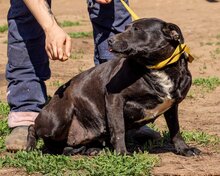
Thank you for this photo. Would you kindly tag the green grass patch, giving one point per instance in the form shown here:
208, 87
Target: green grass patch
105, 164
200, 137
4, 131
4, 109
209, 83
69, 23
196, 137
77, 54
3, 28
81, 34
56, 83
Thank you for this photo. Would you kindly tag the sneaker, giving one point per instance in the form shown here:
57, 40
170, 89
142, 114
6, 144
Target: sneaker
17, 139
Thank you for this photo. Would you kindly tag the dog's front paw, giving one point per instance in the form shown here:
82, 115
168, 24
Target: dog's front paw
31, 139
122, 152
189, 151
31, 144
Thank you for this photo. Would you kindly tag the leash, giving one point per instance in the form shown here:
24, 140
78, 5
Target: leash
180, 49
134, 16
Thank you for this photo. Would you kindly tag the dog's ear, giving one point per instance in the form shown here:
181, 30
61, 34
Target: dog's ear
173, 32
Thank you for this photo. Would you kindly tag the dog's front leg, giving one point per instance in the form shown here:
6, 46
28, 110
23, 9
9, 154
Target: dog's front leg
181, 147
31, 138
115, 118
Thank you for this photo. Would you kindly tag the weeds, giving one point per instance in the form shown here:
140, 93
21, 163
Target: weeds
3, 28
4, 109
105, 164
69, 24
200, 137
56, 83
209, 83
81, 34
77, 54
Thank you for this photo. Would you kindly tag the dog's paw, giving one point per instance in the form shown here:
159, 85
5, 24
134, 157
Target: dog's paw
191, 151
30, 146
123, 152
93, 151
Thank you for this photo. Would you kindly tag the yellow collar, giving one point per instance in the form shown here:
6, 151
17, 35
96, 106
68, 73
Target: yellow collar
180, 49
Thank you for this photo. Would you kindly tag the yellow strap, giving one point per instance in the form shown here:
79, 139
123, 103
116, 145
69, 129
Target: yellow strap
181, 48
134, 16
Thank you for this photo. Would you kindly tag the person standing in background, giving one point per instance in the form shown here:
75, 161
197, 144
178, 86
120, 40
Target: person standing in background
108, 18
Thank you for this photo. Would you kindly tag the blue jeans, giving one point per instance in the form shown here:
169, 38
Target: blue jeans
107, 20
28, 64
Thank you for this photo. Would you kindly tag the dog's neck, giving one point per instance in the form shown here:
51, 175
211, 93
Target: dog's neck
180, 49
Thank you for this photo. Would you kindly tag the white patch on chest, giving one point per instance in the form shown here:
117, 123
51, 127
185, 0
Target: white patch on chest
165, 82
167, 85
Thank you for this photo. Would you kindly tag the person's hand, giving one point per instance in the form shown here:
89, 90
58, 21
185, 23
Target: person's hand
58, 43
103, 1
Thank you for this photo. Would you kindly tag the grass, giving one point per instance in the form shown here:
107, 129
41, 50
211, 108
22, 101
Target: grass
69, 23
56, 83
77, 54
3, 28
4, 109
209, 83
105, 164
81, 34
215, 52
200, 138
4, 130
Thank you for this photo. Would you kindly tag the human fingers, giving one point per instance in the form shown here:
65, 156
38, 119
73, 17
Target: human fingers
54, 51
68, 47
103, 1
48, 51
60, 52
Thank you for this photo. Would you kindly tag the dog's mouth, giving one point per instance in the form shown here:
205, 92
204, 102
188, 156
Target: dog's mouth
117, 46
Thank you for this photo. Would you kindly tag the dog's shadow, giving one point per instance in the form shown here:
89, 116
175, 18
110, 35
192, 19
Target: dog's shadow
212, 0
151, 146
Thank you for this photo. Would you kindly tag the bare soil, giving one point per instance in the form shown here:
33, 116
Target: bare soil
199, 21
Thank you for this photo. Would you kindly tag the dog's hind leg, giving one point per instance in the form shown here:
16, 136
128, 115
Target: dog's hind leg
181, 147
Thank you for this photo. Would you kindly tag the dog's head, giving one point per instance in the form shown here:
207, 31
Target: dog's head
148, 40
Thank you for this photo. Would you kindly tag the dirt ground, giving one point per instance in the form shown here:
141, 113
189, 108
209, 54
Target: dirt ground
199, 21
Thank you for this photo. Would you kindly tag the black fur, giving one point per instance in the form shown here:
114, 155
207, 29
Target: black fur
104, 102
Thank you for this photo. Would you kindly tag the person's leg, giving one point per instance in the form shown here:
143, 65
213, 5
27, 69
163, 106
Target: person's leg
26, 71
107, 20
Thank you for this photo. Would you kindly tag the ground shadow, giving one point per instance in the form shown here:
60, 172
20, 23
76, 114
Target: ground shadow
212, 0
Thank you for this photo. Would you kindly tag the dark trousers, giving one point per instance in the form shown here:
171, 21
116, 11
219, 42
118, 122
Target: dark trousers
107, 20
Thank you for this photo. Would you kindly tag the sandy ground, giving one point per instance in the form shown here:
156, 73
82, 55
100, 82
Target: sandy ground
199, 22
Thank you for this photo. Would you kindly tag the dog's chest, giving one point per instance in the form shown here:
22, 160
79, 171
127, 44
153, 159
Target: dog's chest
163, 88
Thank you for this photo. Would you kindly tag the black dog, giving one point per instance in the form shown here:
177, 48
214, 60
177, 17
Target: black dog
102, 103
